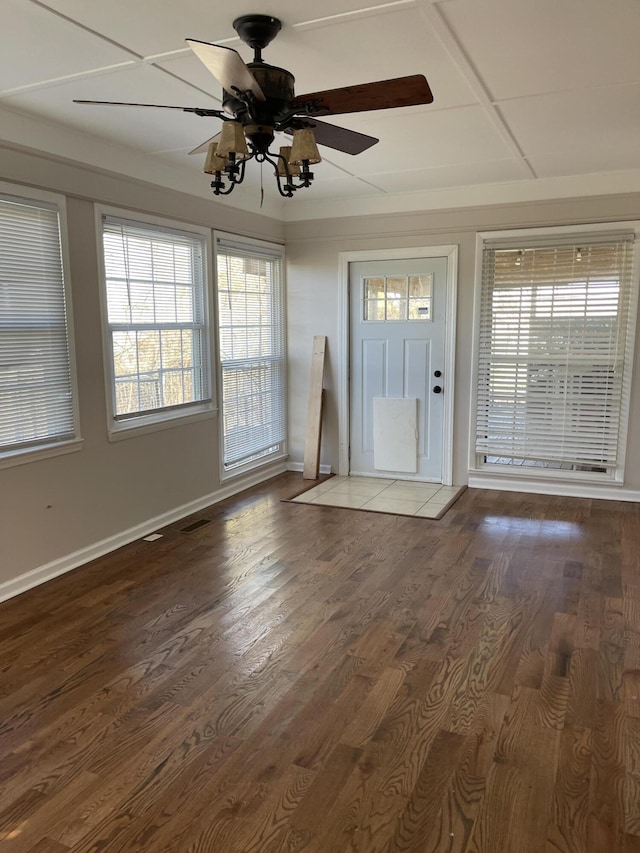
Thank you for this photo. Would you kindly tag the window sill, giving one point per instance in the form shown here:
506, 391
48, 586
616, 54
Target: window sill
35, 454
543, 481
121, 430
236, 473
543, 475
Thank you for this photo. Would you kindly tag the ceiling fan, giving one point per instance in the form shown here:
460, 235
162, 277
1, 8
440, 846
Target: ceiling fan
258, 99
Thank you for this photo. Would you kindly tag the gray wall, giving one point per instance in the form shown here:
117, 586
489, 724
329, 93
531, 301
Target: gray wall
53, 507
313, 249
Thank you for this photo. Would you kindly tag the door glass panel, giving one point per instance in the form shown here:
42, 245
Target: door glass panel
397, 287
374, 288
420, 296
420, 309
397, 298
420, 285
374, 309
396, 309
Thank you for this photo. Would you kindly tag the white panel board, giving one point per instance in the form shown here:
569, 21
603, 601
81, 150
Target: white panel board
395, 434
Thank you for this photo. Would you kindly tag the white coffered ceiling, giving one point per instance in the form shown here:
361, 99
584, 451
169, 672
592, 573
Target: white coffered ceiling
532, 98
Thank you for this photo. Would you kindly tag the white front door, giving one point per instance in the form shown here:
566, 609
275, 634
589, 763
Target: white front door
397, 338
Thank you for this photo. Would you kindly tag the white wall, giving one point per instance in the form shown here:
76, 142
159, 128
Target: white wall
53, 508
313, 249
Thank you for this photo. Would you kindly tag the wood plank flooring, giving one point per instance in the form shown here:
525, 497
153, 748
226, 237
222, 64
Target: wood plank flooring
287, 678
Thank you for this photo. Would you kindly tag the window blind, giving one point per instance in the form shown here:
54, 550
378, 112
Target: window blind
157, 317
36, 387
554, 322
252, 352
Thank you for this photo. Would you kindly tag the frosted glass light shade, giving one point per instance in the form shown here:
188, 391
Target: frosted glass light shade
213, 162
304, 148
294, 169
232, 141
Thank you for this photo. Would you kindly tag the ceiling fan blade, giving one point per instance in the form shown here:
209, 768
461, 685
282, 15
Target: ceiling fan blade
201, 111
339, 138
202, 149
382, 95
227, 66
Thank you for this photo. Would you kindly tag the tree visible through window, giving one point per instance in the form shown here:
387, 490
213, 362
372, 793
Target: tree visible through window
157, 317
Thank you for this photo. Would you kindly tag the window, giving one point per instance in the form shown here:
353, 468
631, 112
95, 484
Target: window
38, 413
555, 335
252, 353
398, 297
157, 321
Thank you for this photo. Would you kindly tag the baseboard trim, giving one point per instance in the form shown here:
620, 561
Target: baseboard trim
569, 490
299, 467
42, 574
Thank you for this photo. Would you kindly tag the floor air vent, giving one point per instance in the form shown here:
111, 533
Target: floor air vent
195, 525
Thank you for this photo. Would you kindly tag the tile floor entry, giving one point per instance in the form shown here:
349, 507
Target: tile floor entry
374, 494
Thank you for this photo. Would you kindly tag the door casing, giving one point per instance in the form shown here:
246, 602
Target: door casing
450, 252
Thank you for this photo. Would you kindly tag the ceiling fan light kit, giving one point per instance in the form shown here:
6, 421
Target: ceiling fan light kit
232, 142
259, 100
304, 148
285, 160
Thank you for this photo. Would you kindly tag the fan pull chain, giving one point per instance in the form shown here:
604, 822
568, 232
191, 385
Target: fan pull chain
261, 184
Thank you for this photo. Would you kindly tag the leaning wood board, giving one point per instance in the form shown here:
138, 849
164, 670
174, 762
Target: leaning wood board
314, 412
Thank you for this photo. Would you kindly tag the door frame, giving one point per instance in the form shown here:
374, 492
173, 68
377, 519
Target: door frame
450, 252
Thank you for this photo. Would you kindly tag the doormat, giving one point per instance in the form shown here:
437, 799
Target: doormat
374, 494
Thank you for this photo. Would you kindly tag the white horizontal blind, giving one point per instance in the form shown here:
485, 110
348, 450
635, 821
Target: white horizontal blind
157, 317
553, 333
252, 352
36, 387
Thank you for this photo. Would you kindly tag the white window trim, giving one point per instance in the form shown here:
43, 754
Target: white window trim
503, 476
154, 421
45, 450
283, 454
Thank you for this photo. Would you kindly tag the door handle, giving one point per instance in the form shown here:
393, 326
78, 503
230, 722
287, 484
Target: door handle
437, 389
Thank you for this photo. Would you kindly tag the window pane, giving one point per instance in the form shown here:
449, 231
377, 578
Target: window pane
118, 301
141, 301
164, 300
148, 344
397, 287
420, 309
396, 309
154, 369
420, 285
173, 355
125, 353
374, 288
374, 309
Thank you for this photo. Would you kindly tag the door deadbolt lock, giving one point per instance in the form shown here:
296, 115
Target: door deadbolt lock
437, 389
437, 373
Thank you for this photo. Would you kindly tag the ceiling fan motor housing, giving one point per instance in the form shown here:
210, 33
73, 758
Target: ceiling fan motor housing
259, 122
257, 30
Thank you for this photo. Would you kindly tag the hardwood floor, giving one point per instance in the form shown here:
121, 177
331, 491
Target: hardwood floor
296, 678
